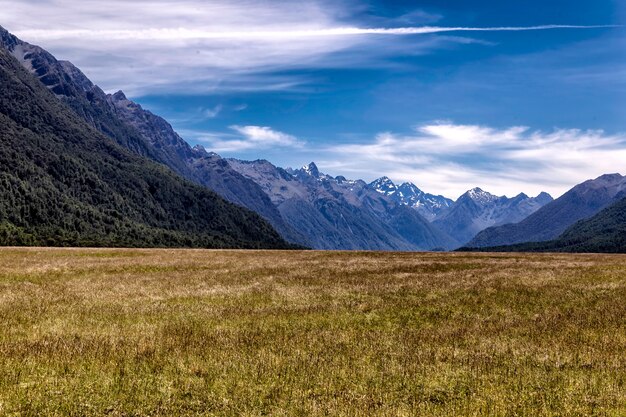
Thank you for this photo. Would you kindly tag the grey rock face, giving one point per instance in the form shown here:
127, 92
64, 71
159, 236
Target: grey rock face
337, 213
477, 210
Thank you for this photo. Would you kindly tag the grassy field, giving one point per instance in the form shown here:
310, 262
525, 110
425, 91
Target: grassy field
230, 333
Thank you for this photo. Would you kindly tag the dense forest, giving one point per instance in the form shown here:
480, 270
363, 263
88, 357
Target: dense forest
63, 183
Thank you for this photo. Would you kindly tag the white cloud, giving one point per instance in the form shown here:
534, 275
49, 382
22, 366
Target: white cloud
177, 46
184, 34
204, 46
449, 159
246, 138
445, 158
214, 112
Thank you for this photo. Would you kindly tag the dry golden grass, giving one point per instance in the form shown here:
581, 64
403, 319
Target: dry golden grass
229, 333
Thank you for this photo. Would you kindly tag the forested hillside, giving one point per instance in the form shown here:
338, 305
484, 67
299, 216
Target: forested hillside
64, 183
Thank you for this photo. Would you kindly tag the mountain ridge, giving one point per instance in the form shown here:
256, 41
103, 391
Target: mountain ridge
141, 131
477, 210
604, 232
64, 183
430, 206
337, 213
582, 201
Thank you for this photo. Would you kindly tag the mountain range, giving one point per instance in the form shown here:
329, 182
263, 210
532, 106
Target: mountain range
337, 213
361, 221
141, 131
604, 232
472, 212
549, 222
477, 210
428, 205
267, 205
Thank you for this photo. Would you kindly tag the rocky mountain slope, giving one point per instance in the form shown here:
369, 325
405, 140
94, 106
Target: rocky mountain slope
336, 213
547, 223
428, 205
63, 182
477, 210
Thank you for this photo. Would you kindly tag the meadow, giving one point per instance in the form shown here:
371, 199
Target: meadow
287, 333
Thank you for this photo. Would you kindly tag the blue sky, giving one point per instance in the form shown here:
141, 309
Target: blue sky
339, 83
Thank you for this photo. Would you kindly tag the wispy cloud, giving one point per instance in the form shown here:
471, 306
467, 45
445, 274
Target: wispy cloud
449, 158
199, 46
213, 112
247, 138
184, 34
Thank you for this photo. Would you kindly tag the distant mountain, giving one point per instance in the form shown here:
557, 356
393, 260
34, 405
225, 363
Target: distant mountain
337, 213
477, 210
62, 182
142, 132
603, 233
428, 205
582, 201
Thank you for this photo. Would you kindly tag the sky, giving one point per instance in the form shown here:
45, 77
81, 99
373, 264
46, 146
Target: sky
510, 96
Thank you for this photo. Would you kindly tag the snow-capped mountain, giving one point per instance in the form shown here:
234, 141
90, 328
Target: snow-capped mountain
428, 205
311, 170
337, 213
477, 210
384, 186
480, 196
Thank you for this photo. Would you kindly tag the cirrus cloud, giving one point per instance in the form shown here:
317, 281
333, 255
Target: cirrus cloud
195, 46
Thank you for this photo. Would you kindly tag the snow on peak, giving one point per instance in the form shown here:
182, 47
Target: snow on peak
384, 186
410, 190
481, 196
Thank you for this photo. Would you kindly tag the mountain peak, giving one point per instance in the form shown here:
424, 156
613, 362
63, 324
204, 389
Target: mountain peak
476, 192
610, 177
384, 186
5, 33
478, 195
201, 150
119, 96
544, 197
312, 170
410, 189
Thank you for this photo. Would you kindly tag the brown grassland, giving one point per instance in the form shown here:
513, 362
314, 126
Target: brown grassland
251, 333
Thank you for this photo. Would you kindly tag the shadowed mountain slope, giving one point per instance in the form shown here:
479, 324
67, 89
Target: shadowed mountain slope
547, 223
64, 183
142, 132
603, 233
